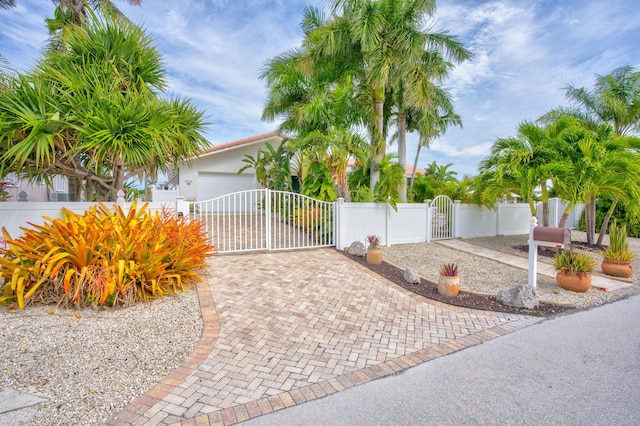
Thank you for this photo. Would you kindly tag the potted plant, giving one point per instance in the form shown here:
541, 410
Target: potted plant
574, 270
374, 251
617, 257
449, 280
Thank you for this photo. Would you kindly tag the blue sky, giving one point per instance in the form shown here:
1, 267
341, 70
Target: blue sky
525, 51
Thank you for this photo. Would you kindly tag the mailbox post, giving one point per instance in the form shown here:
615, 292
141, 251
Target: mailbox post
547, 237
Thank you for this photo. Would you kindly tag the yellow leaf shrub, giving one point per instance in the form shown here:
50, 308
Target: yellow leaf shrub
102, 257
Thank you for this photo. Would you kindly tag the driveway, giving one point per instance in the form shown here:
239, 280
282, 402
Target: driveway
283, 328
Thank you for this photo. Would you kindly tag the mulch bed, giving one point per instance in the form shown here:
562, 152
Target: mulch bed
464, 299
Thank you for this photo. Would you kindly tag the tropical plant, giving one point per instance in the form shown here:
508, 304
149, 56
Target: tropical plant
618, 246
574, 263
102, 257
91, 112
449, 270
373, 240
385, 43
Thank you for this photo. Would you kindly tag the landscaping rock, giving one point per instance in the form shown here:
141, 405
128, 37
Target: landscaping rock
523, 296
411, 276
357, 248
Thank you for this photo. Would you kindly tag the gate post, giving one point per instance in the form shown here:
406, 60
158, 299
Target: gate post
338, 225
267, 203
456, 218
429, 220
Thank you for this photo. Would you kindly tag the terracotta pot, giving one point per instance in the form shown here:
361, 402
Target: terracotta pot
617, 268
448, 286
374, 255
574, 282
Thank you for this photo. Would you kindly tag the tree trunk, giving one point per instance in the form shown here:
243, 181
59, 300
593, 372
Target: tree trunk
605, 222
402, 155
565, 215
377, 144
591, 220
545, 204
415, 166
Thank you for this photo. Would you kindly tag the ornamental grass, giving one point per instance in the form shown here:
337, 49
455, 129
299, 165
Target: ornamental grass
102, 258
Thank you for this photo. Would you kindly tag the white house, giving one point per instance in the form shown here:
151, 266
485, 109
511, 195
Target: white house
214, 172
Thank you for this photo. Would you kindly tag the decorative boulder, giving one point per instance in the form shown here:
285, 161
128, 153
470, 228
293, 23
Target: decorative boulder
411, 276
356, 248
523, 296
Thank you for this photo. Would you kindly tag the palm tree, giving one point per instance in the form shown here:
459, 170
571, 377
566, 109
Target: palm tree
382, 37
599, 163
91, 111
520, 164
614, 100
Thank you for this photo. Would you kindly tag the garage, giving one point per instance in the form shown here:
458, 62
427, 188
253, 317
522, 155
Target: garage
212, 185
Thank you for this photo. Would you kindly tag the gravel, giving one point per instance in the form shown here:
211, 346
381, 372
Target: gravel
489, 277
90, 364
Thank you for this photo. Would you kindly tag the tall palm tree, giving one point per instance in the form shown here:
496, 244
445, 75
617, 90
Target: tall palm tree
383, 36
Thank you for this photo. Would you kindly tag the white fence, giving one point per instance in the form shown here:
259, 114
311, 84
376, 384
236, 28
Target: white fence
411, 223
14, 215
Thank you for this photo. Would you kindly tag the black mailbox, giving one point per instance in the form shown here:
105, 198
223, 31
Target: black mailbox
545, 235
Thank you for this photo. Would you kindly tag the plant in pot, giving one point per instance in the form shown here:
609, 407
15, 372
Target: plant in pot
449, 280
617, 257
573, 270
374, 251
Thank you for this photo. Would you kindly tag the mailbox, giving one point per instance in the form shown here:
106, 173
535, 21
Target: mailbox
551, 237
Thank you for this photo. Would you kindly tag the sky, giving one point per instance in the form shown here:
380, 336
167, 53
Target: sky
525, 53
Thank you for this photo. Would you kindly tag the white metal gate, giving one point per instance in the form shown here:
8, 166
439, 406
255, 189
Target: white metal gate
263, 219
441, 218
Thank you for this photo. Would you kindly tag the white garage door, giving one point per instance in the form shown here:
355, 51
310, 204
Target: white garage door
213, 185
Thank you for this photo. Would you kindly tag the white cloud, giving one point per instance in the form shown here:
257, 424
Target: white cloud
525, 53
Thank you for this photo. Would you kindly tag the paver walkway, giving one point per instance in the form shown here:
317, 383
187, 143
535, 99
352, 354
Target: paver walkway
288, 327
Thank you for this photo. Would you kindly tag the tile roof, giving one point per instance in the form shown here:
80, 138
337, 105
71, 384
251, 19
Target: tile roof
240, 142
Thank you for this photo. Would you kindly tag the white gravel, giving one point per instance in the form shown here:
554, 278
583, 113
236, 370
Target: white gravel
489, 277
90, 364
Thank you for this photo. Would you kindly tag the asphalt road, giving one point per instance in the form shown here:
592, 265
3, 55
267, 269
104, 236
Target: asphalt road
576, 369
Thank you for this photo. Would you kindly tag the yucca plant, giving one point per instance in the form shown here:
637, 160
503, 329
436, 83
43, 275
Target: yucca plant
102, 257
618, 246
572, 262
449, 270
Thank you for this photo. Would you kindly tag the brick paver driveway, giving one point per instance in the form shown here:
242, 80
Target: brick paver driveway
295, 326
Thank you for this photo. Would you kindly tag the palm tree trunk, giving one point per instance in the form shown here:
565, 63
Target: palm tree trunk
605, 222
545, 204
402, 155
565, 215
377, 144
591, 220
415, 166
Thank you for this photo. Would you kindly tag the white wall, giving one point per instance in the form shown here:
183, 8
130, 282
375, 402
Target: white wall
14, 215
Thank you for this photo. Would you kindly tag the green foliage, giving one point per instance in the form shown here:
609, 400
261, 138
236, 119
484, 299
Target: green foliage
618, 246
272, 166
572, 262
90, 110
102, 257
318, 183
